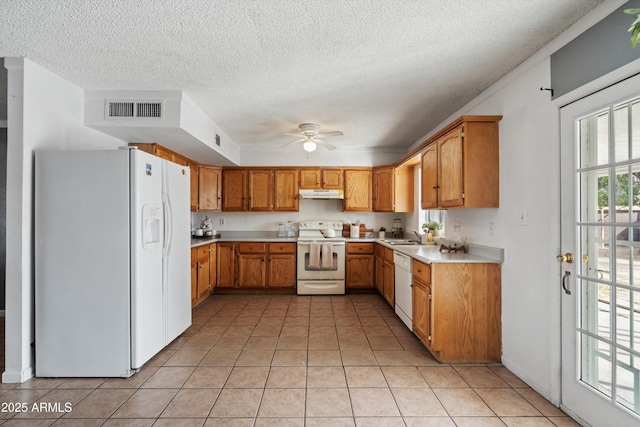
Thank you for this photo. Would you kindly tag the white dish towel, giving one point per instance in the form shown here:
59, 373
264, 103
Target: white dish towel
314, 255
327, 256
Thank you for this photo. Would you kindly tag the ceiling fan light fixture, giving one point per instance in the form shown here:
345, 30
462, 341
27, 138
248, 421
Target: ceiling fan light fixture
309, 146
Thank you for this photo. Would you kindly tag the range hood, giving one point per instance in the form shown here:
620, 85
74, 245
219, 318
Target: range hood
321, 194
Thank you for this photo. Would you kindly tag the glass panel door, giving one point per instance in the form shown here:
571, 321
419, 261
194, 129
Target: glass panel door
600, 211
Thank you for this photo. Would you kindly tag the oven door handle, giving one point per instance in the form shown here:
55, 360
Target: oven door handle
333, 243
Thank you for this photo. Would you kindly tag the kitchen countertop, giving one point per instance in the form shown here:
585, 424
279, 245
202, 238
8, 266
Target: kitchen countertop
424, 253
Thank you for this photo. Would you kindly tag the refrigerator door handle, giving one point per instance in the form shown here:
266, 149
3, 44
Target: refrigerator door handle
168, 229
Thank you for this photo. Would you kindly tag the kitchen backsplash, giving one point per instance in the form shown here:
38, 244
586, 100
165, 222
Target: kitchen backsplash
309, 209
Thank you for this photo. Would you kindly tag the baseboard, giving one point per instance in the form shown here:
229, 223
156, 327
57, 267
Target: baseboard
17, 377
544, 391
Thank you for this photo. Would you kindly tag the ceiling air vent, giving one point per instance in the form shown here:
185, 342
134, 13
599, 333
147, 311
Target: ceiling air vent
132, 109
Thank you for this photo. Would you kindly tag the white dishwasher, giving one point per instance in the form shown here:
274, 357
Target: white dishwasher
403, 287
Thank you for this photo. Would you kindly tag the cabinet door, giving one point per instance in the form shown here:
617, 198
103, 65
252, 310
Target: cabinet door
286, 190
210, 188
213, 262
234, 190
252, 270
310, 179
260, 190
380, 275
225, 265
450, 167
194, 276
282, 270
332, 179
203, 278
389, 283
421, 305
194, 184
429, 196
360, 271
357, 191
163, 153
383, 186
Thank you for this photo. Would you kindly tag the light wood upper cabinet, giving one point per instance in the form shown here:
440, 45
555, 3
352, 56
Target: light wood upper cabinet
393, 189
310, 179
210, 188
321, 179
260, 189
450, 161
286, 190
429, 197
460, 168
234, 190
383, 186
332, 179
357, 191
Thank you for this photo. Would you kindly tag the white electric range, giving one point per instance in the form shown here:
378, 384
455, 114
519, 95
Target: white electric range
321, 260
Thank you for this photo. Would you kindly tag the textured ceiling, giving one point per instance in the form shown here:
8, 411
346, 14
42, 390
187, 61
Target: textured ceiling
385, 72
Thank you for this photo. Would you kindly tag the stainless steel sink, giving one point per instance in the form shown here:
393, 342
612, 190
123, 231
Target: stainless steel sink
401, 242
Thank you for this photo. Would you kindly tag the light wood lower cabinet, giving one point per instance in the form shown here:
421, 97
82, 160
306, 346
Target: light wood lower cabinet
200, 273
385, 281
226, 265
281, 271
360, 266
256, 265
389, 278
458, 314
252, 264
379, 266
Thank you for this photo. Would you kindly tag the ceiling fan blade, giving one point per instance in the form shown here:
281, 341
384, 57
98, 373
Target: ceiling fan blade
331, 133
293, 142
324, 144
290, 134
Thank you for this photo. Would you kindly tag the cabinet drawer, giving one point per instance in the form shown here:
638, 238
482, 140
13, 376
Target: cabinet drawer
388, 254
422, 271
202, 251
379, 250
252, 248
359, 248
282, 248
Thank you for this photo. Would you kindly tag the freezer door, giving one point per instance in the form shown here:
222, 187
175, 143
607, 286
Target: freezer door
176, 263
82, 276
147, 225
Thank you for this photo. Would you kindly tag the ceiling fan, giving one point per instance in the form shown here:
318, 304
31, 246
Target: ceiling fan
309, 136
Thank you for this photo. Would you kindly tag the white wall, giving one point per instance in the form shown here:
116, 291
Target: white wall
309, 209
44, 112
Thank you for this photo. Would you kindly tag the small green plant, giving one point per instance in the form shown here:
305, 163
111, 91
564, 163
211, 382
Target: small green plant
432, 225
634, 29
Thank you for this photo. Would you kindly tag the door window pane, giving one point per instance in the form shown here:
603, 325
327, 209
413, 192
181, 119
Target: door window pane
594, 135
596, 364
621, 133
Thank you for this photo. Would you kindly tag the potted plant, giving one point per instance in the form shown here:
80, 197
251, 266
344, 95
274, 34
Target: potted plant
434, 226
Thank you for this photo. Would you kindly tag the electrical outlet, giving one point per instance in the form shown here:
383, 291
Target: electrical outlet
491, 228
221, 222
524, 217
456, 226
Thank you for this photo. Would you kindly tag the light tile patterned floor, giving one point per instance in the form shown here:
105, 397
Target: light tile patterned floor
287, 360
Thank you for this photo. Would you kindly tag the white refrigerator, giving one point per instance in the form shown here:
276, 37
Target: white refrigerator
112, 268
